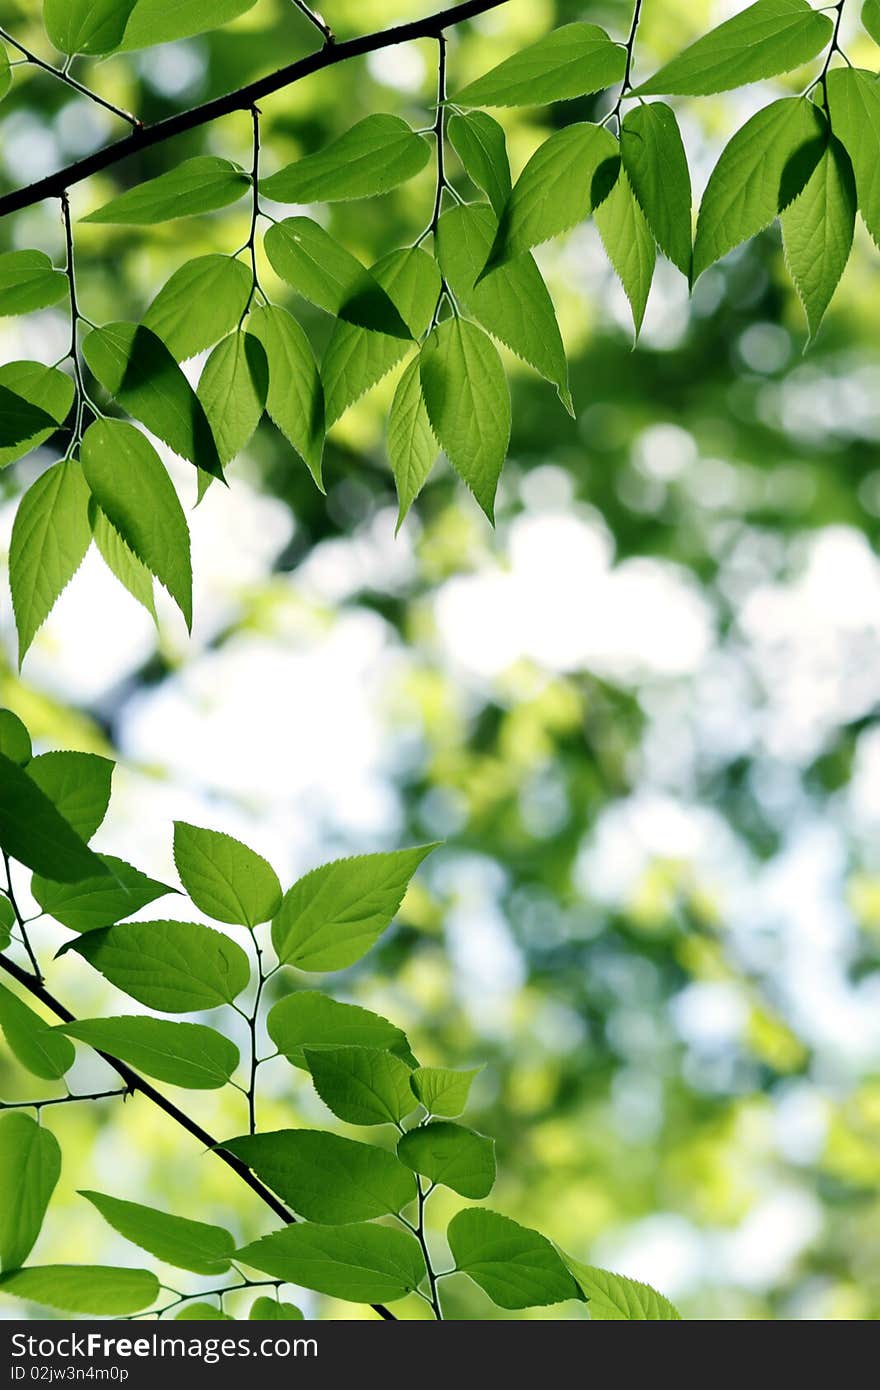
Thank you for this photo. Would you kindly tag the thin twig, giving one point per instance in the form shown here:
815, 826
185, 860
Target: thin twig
25, 940
61, 1100
317, 20
64, 76
626, 84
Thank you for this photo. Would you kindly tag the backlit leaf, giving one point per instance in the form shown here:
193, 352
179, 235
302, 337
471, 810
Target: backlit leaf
30, 1165
226, 879
121, 560
102, 1290
480, 144
77, 784
50, 536
201, 302
41, 1050
36, 834
15, 741
817, 232
517, 1267
98, 902
571, 61
656, 165
273, 1310
198, 185
29, 281
186, 1244
184, 1054
86, 26
630, 246
613, 1298
47, 390
377, 154
360, 1262
412, 446
441, 1090
155, 21
174, 967
323, 272
295, 399
452, 1156
311, 1019
362, 1085
854, 100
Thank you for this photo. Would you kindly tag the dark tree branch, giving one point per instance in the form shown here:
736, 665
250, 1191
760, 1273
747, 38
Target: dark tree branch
431, 27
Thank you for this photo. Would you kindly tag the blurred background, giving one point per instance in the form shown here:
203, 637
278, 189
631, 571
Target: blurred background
642, 714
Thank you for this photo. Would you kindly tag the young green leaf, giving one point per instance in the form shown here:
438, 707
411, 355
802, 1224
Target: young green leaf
29, 281
468, 404
630, 246
360, 1262
452, 1156
226, 879
121, 560
311, 1019
295, 399
480, 144
15, 741
97, 902
36, 834
232, 389
571, 61
323, 272
656, 165
202, 302
183, 1054
376, 155
102, 1290
362, 1085
333, 915
37, 1046
86, 26
763, 167
5, 72
854, 101
817, 232
155, 21
272, 1310
441, 1090
130, 484
197, 185
47, 391
324, 1177
135, 367
186, 1244
412, 447
203, 1312
50, 536
7, 922
30, 1165
871, 18
614, 1298
78, 785
515, 1266
174, 967
769, 37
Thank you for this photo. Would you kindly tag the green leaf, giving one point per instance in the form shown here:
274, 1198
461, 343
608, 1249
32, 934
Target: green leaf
295, 400
35, 1043
442, 1091
36, 834
7, 922
203, 1312
233, 388
29, 281
5, 72
362, 1263
184, 1054
480, 144
46, 390
202, 302
451, 1156
102, 1290
564, 181
468, 404
94, 902
655, 161
30, 1166
356, 358
226, 879
323, 272
763, 167
412, 447
374, 156
120, 560
130, 484
817, 232
613, 1298
512, 303
568, 62
175, 967
333, 915
86, 26
197, 185
78, 785
854, 100
515, 1266
362, 1085
311, 1019
155, 21
15, 741
271, 1310
326, 1178
50, 536
20, 420
186, 1244
769, 37
871, 18
630, 246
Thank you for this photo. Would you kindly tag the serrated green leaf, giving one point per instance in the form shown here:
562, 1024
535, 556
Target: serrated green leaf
155, 21
571, 61
412, 447
630, 246
226, 879
78, 785
34, 1042
451, 1156
468, 404
360, 1262
817, 232
15, 741
174, 967
29, 281
36, 834
871, 18
517, 1267
5, 72
86, 26
30, 1165
441, 1090
20, 419
272, 1310
202, 302
311, 1019
97, 1289
656, 165
768, 38
233, 388
481, 145
184, 1054
92, 903
186, 1244
374, 156
47, 390
131, 485
122, 562
614, 1298
854, 102
295, 399
203, 1312
333, 915
198, 185
326, 1178
362, 1085
7, 922
763, 167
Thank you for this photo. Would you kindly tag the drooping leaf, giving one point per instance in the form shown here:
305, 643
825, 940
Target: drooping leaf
93, 902
202, 302
480, 144
362, 1085
174, 967
29, 281
273, 1310
768, 38
441, 1090
656, 165
412, 447
326, 1178
517, 1267
311, 1019
7, 922
854, 101
50, 536
86, 26
20, 420
323, 272
226, 879
203, 1312
614, 1298
452, 1156
817, 232
155, 21
186, 1244
571, 61
34, 1042
121, 560
295, 399
333, 915
871, 18
198, 185
131, 485
30, 1165
5, 72
361, 1262
630, 246
468, 404
78, 785
34, 833
233, 388
15, 741
184, 1054
102, 1290
47, 390
374, 156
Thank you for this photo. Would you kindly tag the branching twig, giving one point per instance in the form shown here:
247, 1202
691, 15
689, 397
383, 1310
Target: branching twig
626, 84
251, 243
9, 892
318, 20
61, 1100
64, 76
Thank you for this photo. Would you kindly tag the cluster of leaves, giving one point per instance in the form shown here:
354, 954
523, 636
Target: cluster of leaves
340, 1192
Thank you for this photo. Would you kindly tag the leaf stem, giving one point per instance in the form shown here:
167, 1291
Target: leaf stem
10, 894
317, 20
420, 1233
251, 243
630, 45
252, 1024
63, 75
